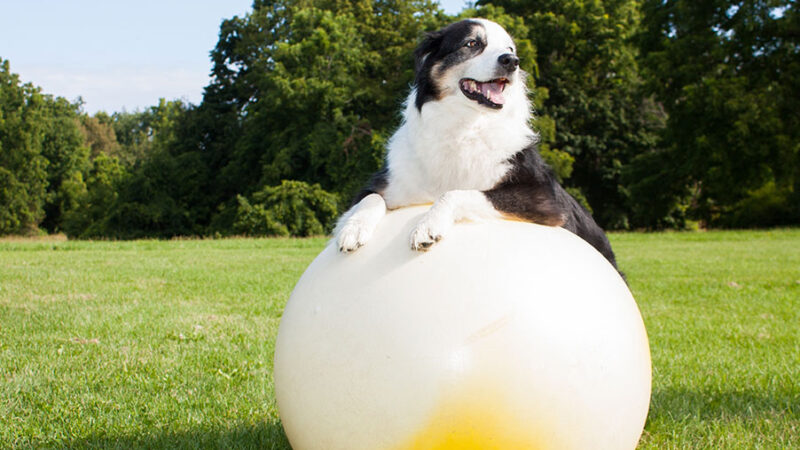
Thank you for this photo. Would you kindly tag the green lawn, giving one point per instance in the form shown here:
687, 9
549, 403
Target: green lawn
169, 344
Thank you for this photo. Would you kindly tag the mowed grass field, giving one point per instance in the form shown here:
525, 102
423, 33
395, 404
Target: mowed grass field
168, 344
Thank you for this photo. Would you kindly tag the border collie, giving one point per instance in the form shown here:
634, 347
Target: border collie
466, 146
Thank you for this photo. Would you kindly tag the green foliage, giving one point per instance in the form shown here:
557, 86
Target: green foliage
20, 209
653, 114
767, 206
88, 218
316, 85
561, 162
149, 202
661, 199
293, 208
42, 157
164, 193
22, 166
727, 73
63, 145
99, 135
256, 220
140, 133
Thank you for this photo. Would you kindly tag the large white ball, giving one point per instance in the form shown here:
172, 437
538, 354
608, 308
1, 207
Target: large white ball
504, 335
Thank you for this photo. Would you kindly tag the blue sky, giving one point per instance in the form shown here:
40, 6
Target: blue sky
118, 54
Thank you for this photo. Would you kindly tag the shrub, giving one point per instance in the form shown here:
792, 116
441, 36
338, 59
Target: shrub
292, 208
768, 206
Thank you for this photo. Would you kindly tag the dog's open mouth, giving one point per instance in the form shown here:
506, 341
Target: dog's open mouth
488, 93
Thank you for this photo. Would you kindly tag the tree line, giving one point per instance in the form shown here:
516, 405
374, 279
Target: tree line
654, 113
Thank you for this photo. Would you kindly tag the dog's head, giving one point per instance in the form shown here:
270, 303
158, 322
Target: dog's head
474, 59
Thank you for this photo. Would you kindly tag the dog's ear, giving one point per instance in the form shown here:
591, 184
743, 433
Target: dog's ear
429, 45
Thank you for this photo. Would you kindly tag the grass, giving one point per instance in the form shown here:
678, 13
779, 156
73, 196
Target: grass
143, 344
168, 344
722, 310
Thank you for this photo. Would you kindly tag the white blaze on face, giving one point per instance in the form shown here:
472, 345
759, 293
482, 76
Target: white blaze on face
481, 78
484, 66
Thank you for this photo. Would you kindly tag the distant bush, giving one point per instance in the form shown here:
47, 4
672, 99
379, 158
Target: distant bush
767, 206
256, 220
293, 208
88, 219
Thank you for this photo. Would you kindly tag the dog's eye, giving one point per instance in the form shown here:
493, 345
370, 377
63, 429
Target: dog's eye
472, 43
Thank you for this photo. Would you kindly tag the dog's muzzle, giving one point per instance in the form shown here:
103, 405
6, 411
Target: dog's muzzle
487, 93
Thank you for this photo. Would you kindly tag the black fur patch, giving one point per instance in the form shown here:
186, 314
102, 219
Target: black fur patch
376, 185
531, 192
441, 50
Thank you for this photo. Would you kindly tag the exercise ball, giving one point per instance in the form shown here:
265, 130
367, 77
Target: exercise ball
505, 335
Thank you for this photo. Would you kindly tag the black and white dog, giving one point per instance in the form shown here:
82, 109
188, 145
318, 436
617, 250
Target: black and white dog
465, 144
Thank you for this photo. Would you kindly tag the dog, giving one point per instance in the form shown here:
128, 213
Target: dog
465, 145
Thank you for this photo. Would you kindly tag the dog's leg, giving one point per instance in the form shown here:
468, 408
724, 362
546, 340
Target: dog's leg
451, 207
355, 227
521, 202
530, 202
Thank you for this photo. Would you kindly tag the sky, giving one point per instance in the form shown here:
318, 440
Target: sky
118, 55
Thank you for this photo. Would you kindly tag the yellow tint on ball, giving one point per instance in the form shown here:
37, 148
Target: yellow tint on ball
504, 335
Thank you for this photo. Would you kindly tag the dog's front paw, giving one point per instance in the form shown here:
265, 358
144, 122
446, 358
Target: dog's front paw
353, 235
428, 232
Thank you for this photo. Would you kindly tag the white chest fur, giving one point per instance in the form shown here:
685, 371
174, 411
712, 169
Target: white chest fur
450, 146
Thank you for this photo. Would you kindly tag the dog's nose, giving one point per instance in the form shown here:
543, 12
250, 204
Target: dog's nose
508, 61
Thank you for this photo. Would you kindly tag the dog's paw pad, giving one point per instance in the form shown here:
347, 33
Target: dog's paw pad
349, 248
424, 237
352, 236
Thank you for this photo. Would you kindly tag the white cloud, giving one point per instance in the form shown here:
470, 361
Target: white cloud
115, 88
455, 6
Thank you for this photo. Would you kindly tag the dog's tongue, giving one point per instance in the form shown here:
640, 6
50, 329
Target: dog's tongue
494, 92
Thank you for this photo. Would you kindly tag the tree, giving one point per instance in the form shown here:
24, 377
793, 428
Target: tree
44, 158
23, 168
63, 145
292, 208
316, 86
88, 219
98, 134
162, 195
726, 72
